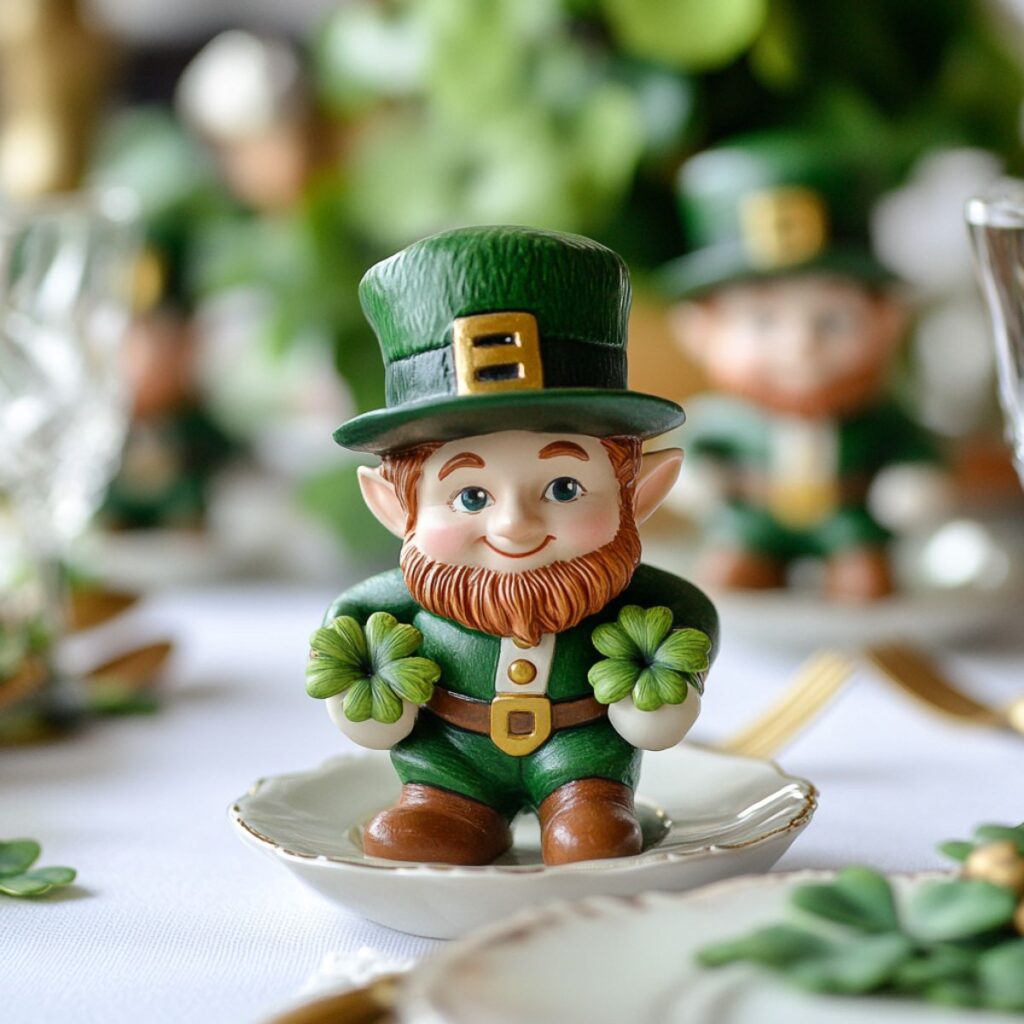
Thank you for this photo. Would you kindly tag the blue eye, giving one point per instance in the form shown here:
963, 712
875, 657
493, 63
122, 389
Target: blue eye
471, 499
564, 489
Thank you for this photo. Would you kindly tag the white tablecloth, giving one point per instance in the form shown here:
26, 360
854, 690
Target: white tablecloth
173, 920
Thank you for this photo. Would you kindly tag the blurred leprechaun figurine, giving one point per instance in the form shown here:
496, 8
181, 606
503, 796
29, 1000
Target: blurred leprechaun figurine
796, 324
521, 657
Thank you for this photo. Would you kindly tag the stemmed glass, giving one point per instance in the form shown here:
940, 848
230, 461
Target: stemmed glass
996, 223
66, 270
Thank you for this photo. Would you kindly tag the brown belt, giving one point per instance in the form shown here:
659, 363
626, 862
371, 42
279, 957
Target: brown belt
475, 715
519, 731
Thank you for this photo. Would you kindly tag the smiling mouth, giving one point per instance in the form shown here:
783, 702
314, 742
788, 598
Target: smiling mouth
525, 554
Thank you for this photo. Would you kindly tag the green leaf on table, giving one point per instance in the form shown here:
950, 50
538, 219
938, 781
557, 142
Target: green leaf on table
36, 882
939, 964
1000, 833
18, 855
953, 992
956, 849
1001, 976
774, 946
859, 897
862, 964
958, 909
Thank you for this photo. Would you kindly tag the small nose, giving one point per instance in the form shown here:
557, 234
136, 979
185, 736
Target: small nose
515, 521
801, 340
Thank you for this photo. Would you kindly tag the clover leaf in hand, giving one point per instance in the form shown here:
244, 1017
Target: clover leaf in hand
646, 657
374, 667
19, 878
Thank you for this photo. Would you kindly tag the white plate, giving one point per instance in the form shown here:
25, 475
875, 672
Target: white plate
607, 961
795, 619
705, 815
800, 616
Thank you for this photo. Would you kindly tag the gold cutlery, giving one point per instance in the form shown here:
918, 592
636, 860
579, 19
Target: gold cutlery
817, 682
368, 1004
919, 676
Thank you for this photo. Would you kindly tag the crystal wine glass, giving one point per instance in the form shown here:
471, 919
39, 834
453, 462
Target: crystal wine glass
996, 222
65, 296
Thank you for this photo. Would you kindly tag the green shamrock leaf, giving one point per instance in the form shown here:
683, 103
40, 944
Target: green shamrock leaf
19, 878
859, 897
774, 946
646, 657
951, 943
959, 909
376, 667
961, 849
864, 963
1001, 974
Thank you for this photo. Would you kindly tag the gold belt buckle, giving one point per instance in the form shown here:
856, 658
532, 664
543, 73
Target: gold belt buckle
520, 723
801, 506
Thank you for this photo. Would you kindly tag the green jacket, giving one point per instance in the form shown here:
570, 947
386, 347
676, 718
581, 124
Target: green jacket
469, 659
738, 433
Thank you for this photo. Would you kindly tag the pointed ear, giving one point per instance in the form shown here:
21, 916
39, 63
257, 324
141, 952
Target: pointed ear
692, 324
658, 474
382, 500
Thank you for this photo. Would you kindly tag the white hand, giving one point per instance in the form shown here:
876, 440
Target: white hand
654, 730
370, 734
911, 496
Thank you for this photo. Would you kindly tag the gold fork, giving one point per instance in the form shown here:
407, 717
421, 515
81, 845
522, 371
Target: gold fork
817, 681
919, 676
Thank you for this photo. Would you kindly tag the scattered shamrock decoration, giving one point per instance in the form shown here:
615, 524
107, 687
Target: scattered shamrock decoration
955, 942
19, 878
374, 667
646, 657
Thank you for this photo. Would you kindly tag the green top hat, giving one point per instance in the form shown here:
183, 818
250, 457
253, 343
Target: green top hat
774, 204
502, 328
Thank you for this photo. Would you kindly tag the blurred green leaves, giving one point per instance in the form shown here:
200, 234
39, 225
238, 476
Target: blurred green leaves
952, 941
688, 34
19, 878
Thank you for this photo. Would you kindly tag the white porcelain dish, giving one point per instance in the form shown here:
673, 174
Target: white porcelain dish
706, 816
606, 961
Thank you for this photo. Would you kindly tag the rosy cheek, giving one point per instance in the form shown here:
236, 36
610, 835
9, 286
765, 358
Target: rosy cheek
592, 528
444, 540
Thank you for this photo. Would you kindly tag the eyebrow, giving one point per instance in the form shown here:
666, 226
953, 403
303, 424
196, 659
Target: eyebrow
557, 448
464, 460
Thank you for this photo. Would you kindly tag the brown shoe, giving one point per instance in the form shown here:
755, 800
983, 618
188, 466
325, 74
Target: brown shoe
589, 819
733, 569
859, 575
437, 826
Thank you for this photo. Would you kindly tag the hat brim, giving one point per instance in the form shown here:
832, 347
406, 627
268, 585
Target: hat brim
597, 412
697, 272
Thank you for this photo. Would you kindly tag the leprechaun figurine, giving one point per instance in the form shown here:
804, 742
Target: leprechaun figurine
521, 657
796, 324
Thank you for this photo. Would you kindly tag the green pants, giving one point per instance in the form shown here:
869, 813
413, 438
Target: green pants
438, 754
752, 528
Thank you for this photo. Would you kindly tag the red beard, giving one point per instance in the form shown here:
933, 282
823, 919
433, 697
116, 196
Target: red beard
527, 604
838, 398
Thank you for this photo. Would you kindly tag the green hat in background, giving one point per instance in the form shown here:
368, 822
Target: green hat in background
502, 328
775, 204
